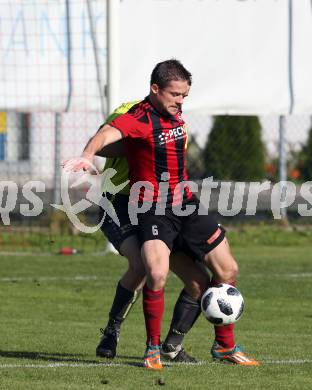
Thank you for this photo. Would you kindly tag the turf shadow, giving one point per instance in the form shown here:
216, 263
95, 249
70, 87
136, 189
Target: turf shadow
68, 358
132, 364
46, 356
129, 357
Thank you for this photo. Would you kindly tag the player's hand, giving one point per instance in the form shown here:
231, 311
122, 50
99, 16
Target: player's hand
78, 163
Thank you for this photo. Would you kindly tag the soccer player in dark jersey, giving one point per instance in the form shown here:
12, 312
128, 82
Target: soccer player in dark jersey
154, 135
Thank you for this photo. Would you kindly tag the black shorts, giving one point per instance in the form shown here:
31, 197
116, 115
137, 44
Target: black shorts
114, 233
195, 234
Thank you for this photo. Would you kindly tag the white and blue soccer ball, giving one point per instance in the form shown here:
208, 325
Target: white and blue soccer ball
222, 304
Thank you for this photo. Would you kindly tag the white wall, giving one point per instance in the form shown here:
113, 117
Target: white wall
237, 50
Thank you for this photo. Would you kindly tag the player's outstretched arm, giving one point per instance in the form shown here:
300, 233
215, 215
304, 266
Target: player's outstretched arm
105, 136
116, 149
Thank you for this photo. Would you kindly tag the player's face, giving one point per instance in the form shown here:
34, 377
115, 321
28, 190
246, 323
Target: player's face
169, 100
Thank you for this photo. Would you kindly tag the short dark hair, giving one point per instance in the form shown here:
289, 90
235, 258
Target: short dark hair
170, 70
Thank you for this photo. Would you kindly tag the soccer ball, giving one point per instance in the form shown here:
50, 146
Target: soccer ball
222, 304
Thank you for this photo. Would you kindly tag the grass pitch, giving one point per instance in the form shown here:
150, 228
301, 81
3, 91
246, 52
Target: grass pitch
52, 307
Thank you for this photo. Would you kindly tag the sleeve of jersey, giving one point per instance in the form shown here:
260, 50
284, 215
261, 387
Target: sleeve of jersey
128, 126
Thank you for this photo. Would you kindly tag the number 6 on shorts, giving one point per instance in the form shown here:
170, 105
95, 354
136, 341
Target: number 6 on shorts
155, 230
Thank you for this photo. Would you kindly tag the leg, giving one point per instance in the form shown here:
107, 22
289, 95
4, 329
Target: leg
224, 269
134, 278
126, 294
130, 284
206, 240
193, 274
124, 239
187, 308
155, 254
222, 264
156, 233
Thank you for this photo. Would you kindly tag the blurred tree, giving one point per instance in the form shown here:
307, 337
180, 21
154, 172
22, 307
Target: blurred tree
305, 159
234, 149
194, 162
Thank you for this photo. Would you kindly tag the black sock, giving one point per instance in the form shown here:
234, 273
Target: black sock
186, 312
123, 301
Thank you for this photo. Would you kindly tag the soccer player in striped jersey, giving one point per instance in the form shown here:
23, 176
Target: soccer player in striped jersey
154, 135
124, 238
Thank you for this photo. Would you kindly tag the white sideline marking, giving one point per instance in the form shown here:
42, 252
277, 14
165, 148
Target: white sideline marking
79, 365
4, 253
282, 275
247, 275
85, 278
299, 361
48, 278
57, 365
301, 275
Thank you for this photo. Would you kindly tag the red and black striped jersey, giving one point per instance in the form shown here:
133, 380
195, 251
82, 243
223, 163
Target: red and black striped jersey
156, 151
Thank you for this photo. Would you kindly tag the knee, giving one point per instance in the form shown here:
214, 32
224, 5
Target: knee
156, 272
197, 287
156, 279
137, 268
156, 263
223, 266
228, 273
